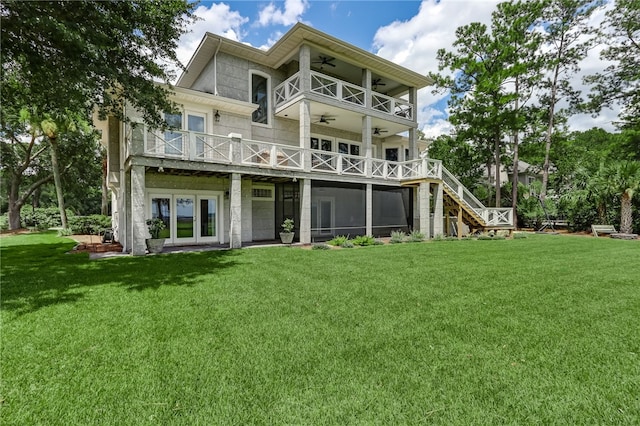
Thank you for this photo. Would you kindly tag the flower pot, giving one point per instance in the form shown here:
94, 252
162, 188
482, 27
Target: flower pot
286, 237
155, 245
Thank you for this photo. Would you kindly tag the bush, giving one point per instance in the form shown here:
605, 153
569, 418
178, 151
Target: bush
320, 246
364, 240
347, 244
338, 241
416, 236
397, 237
42, 218
89, 225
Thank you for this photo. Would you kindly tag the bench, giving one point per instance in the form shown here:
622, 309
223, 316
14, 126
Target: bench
603, 229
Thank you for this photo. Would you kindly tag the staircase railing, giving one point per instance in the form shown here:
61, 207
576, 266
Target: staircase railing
490, 216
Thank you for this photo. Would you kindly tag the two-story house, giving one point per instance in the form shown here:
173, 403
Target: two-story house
313, 129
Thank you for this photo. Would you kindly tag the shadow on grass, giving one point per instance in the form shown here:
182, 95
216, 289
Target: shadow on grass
40, 272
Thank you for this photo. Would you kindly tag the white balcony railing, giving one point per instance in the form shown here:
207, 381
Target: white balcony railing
345, 92
490, 216
195, 146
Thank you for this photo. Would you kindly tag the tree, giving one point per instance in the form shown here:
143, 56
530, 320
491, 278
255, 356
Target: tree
623, 179
64, 59
620, 83
567, 42
477, 98
513, 23
73, 56
458, 157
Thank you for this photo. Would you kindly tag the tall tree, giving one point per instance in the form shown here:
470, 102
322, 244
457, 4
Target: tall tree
513, 24
567, 41
620, 82
62, 57
478, 102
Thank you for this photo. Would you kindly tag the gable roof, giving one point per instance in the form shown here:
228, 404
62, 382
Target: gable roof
287, 47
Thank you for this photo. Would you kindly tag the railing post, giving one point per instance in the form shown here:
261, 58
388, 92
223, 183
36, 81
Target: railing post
191, 148
339, 165
273, 160
236, 148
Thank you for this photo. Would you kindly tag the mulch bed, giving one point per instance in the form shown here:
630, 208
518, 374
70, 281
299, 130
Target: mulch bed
97, 248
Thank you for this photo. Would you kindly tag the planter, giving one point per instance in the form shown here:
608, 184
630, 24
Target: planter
286, 237
155, 245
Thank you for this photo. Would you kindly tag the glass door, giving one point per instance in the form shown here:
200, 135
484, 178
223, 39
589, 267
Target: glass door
161, 209
185, 219
207, 219
196, 123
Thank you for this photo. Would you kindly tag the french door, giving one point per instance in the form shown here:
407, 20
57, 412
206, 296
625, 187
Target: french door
189, 218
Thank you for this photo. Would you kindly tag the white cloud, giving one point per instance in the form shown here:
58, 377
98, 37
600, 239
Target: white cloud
414, 44
217, 19
293, 11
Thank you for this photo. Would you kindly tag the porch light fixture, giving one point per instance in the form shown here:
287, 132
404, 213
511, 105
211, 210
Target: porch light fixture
217, 116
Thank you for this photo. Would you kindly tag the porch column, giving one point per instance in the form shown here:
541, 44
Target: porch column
424, 206
438, 213
138, 226
235, 201
369, 210
305, 133
413, 133
304, 66
305, 211
366, 141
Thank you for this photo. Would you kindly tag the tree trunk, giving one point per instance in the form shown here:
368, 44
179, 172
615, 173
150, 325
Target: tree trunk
514, 179
15, 204
626, 217
497, 161
57, 179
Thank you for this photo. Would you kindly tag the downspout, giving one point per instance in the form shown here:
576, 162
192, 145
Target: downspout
215, 68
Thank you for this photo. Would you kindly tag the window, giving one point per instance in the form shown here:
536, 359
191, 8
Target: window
262, 193
173, 139
260, 96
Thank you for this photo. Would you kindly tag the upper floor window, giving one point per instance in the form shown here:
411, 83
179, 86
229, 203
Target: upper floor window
260, 96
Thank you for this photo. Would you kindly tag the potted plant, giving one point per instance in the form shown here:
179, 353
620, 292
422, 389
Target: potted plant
155, 243
286, 236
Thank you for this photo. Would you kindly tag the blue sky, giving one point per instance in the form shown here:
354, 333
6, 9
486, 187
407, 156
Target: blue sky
407, 32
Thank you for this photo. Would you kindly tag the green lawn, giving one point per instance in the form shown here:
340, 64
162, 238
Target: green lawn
543, 330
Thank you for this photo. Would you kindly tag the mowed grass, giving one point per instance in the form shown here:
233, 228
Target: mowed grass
543, 330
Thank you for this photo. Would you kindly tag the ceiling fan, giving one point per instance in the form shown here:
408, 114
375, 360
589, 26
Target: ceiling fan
377, 82
325, 119
325, 60
378, 131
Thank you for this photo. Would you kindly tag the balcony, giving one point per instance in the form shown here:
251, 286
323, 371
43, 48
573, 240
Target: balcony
344, 92
216, 149
258, 156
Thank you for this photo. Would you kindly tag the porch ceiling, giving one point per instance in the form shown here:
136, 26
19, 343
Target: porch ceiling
350, 121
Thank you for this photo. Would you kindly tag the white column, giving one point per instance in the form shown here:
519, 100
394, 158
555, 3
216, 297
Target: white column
305, 211
413, 133
424, 206
235, 202
438, 214
305, 133
139, 231
366, 141
369, 209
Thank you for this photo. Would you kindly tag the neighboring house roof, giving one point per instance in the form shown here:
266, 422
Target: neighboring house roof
286, 49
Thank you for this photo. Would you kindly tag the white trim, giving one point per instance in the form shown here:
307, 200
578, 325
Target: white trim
267, 77
172, 194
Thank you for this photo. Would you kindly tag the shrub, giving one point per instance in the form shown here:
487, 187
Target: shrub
89, 225
364, 240
320, 246
42, 218
416, 236
338, 241
397, 237
347, 244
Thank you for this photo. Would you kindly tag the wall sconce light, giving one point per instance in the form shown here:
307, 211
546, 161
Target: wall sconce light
217, 116
160, 169
226, 195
